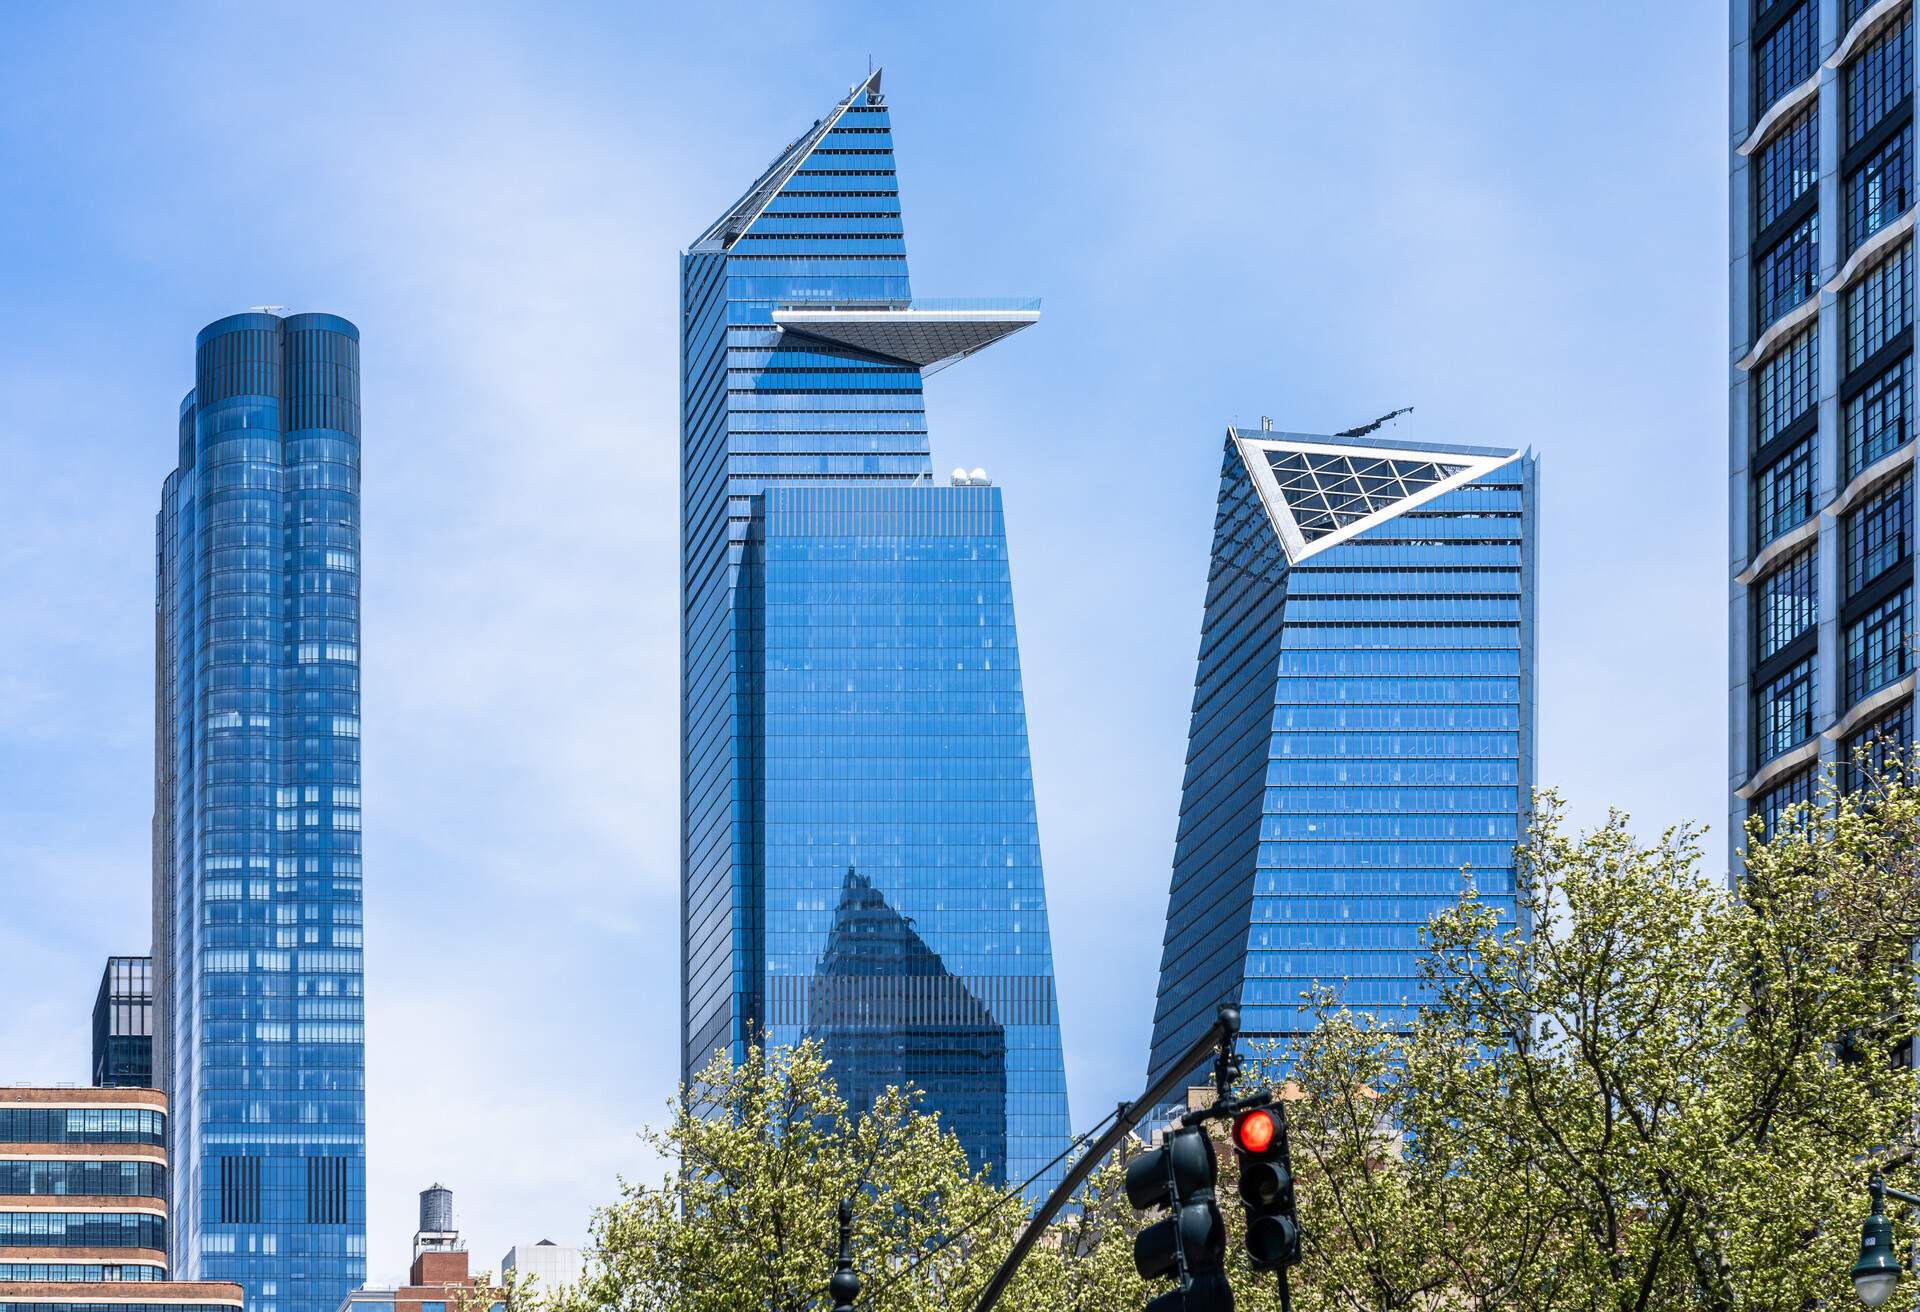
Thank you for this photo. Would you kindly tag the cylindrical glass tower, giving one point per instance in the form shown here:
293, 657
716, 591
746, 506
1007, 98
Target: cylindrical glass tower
257, 877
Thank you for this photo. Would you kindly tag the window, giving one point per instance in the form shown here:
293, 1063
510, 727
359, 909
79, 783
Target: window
1877, 647
1879, 80
240, 1190
1786, 57
1877, 309
1785, 605
1876, 419
1787, 274
1789, 168
327, 1190
1783, 493
1771, 805
1888, 741
1786, 386
1876, 533
1879, 191
1783, 712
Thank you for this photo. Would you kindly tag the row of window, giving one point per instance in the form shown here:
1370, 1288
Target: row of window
82, 1125
78, 1272
1878, 647
95, 1179
1877, 650
1879, 80
1869, 753
82, 1230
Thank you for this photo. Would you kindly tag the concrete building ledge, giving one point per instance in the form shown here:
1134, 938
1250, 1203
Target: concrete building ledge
1865, 28
91, 1152
186, 1292
1785, 544
118, 1204
1783, 109
1783, 327
1868, 707
1784, 764
1893, 462
23, 1095
1870, 252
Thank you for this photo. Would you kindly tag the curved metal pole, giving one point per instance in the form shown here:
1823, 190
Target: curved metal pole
1223, 1031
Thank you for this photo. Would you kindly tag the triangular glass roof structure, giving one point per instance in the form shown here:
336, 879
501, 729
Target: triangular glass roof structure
1319, 491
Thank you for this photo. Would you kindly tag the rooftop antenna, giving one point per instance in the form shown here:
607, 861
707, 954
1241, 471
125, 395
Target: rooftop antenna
1375, 426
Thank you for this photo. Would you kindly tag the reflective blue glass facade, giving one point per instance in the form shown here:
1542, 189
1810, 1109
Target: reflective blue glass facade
1362, 726
860, 848
257, 875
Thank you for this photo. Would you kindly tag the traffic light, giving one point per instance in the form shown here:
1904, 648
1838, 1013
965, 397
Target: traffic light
1190, 1244
1266, 1187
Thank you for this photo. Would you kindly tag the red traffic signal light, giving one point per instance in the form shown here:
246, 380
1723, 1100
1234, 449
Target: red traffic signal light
1254, 1132
1266, 1187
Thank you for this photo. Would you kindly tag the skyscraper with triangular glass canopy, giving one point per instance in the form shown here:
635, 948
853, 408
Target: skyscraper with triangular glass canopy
860, 843
1363, 725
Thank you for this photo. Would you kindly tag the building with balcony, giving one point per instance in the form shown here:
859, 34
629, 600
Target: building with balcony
83, 1205
123, 1025
1362, 741
853, 725
1821, 378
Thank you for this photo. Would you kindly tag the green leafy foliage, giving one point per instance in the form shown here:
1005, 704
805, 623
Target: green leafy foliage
1652, 1092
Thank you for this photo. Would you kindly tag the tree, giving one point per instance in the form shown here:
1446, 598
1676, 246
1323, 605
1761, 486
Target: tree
1659, 1097
766, 1149
1651, 1091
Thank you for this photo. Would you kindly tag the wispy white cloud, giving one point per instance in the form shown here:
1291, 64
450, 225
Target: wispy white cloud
1230, 211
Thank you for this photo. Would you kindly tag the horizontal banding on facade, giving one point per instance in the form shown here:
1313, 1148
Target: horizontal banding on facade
91, 1253
83, 1099
117, 1291
86, 1152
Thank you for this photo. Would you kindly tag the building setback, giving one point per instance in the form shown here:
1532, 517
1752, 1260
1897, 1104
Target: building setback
123, 1025
853, 726
1821, 444
257, 908
83, 1205
1363, 725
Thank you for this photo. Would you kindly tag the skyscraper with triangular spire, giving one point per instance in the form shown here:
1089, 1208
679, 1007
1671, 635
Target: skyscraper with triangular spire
860, 855
1363, 724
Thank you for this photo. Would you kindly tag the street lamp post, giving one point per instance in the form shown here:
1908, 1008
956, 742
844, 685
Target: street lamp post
1877, 1274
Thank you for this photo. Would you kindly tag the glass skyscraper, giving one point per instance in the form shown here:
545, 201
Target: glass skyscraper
256, 861
123, 1025
1363, 725
860, 847
1821, 453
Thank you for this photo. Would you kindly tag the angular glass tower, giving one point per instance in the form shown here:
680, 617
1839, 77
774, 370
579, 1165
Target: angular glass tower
860, 848
1820, 397
256, 857
1363, 725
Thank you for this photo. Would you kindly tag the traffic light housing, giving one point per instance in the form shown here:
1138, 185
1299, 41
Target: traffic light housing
1190, 1243
1266, 1187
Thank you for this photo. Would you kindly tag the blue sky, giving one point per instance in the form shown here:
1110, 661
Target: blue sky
1511, 216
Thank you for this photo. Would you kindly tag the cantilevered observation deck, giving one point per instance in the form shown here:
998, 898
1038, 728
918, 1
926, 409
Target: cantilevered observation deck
929, 333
